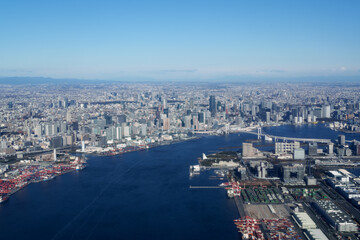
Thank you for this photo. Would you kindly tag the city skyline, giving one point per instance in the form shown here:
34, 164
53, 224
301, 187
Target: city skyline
115, 40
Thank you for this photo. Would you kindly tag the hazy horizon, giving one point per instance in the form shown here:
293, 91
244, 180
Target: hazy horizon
185, 40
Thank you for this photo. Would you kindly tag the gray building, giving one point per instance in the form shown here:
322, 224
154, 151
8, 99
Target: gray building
57, 142
341, 140
299, 154
212, 106
292, 173
312, 149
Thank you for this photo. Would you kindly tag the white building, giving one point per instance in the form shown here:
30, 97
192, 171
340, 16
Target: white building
286, 147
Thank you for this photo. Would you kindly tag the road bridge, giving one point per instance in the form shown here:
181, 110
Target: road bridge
260, 134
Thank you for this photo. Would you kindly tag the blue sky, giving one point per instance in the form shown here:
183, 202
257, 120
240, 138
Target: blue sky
106, 39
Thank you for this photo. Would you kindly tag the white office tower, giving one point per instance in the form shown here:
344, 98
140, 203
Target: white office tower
48, 130
82, 146
144, 129
296, 121
118, 133
38, 130
309, 118
326, 111
55, 154
300, 120
68, 116
164, 103
331, 149
126, 131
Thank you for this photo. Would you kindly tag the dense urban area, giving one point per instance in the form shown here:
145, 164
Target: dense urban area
283, 187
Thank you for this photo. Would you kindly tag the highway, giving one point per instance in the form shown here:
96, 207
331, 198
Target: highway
319, 140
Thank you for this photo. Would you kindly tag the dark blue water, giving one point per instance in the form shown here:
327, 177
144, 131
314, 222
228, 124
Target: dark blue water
308, 131
139, 195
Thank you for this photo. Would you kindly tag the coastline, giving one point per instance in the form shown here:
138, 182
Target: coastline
25, 182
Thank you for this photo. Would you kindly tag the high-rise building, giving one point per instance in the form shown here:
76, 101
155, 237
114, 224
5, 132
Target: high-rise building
331, 148
108, 120
341, 140
166, 124
247, 150
201, 117
38, 130
312, 149
68, 116
121, 118
318, 113
126, 131
195, 122
144, 129
326, 111
212, 105
268, 117
286, 147
118, 133
56, 142
187, 121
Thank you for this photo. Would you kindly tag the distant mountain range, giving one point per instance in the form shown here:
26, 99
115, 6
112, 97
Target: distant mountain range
44, 80
337, 80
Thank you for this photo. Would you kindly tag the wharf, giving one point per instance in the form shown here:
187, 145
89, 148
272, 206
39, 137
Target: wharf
205, 187
240, 206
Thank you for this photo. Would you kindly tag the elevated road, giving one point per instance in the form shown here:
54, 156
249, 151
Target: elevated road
318, 140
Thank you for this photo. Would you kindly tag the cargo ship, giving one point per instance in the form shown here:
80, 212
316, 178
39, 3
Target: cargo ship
3, 198
80, 167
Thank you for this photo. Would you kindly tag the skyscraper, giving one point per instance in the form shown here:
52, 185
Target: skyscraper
341, 140
326, 111
212, 105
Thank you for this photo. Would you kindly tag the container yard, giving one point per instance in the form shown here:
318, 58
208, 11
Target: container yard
20, 176
263, 195
249, 228
280, 228
277, 228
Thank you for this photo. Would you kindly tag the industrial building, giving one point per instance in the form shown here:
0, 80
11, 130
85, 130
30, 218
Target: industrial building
315, 234
292, 173
303, 220
310, 181
335, 216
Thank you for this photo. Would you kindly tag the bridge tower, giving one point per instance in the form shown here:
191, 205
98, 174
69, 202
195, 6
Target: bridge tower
259, 133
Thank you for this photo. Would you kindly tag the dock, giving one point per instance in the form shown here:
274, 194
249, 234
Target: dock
240, 206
